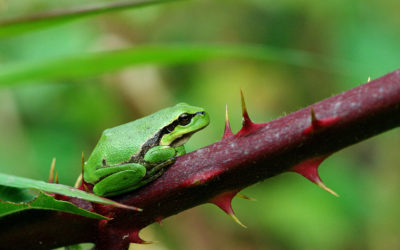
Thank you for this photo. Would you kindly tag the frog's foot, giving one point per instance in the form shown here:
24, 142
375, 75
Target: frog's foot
153, 173
157, 168
152, 178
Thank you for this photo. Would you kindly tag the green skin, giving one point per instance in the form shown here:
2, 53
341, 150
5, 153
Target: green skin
136, 153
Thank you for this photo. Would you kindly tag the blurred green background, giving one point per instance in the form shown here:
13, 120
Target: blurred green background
284, 55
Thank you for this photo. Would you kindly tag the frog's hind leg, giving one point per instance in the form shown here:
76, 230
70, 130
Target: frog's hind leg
119, 179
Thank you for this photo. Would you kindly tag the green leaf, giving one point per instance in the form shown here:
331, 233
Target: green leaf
15, 194
25, 183
29, 23
41, 201
91, 64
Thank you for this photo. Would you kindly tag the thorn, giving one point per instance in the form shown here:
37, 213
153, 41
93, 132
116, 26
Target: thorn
86, 188
226, 114
314, 119
228, 131
245, 197
233, 216
323, 186
56, 177
51, 173
223, 201
247, 125
159, 220
309, 169
83, 162
78, 181
246, 119
318, 125
315, 123
135, 238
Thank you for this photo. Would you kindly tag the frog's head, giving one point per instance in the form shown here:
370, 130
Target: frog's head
185, 120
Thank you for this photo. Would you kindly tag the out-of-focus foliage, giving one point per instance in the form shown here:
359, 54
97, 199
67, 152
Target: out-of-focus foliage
63, 116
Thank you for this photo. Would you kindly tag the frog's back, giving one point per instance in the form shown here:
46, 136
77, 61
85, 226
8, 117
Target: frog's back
120, 143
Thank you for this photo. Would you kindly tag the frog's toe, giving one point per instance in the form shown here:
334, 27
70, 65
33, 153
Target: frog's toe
152, 171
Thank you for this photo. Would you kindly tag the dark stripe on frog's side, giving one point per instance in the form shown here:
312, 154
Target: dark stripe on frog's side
155, 141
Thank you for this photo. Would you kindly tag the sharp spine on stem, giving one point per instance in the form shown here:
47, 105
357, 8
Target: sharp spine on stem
135, 238
224, 201
309, 169
245, 197
318, 125
52, 168
227, 131
246, 119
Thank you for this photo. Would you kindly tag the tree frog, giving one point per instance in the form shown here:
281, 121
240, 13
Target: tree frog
133, 154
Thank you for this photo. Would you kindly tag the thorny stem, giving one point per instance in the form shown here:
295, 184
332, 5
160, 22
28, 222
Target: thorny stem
237, 161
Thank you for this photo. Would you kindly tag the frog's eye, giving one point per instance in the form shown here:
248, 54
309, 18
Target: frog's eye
184, 119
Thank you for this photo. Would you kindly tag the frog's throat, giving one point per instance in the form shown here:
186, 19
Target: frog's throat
181, 140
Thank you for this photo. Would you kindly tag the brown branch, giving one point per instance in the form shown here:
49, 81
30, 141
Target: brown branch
296, 142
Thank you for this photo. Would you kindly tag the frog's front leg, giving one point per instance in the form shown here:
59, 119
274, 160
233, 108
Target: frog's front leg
180, 150
119, 179
158, 158
159, 154
162, 153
